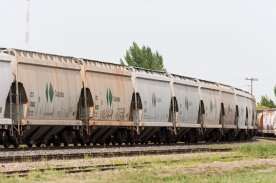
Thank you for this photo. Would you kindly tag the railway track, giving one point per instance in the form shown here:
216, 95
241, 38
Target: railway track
101, 152
266, 138
76, 169
32, 155
74, 153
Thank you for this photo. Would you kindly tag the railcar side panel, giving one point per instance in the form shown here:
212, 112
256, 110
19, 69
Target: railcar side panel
228, 100
6, 79
188, 103
253, 103
53, 93
155, 96
111, 94
242, 104
211, 99
260, 121
267, 121
250, 113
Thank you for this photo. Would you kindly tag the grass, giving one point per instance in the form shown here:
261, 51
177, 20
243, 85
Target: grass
264, 150
202, 168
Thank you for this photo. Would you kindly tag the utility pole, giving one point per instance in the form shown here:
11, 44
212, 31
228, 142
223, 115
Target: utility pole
251, 82
27, 33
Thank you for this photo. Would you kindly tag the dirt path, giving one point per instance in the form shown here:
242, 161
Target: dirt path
228, 166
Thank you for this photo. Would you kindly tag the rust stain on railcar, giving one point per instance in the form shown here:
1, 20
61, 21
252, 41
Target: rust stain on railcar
267, 120
111, 89
52, 83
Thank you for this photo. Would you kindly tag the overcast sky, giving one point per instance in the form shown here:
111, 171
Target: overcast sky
218, 40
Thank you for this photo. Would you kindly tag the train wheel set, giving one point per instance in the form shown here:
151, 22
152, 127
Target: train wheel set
53, 100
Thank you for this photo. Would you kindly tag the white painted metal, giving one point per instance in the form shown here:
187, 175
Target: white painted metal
188, 102
6, 79
242, 103
228, 100
154, 89
212, 107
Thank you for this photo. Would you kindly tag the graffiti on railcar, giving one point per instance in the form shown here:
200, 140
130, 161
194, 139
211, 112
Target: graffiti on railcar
120, 114
32, 104
110, 113
106, 114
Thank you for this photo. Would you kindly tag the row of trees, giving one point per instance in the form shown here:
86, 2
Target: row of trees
267, 102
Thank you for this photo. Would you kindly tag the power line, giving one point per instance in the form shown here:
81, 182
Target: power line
251, 79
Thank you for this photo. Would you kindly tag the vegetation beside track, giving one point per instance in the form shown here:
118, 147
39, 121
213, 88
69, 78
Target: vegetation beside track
255, 162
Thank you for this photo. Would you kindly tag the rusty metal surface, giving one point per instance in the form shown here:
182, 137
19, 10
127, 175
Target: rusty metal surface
52, 85
267, 121
111, 88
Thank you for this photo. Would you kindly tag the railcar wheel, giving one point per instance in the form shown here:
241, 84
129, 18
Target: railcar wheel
38, 144
14, 142
29, 144
121, 137
56, 141
5, 139
57, 144
192, 137
107, 141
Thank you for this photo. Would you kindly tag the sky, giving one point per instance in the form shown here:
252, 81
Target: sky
218, 40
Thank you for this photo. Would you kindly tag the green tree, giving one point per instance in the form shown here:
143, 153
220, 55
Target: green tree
143, 57
266, 102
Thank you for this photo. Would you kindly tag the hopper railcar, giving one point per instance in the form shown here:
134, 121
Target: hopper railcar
266, 122
52, 100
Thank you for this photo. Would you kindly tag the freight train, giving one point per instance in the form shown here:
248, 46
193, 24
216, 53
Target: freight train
54, 100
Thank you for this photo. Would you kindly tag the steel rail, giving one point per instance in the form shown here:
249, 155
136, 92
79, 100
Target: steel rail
38, 155
105, 167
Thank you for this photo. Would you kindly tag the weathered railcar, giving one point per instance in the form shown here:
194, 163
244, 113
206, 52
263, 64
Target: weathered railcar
111, 90
188, 106
246, 111
55, 99
267, 122
43, 95
154, 112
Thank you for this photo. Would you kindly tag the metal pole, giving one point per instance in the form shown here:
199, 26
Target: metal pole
251, 83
